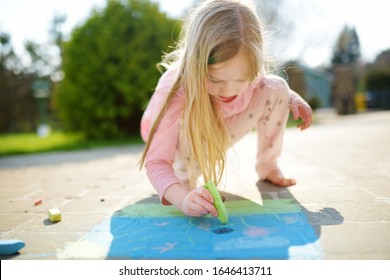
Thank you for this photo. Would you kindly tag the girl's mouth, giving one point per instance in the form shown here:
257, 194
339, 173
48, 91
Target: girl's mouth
227, 99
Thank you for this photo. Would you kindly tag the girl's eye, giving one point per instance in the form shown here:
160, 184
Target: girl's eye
214, 81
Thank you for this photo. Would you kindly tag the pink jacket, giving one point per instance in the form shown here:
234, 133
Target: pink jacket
163, 151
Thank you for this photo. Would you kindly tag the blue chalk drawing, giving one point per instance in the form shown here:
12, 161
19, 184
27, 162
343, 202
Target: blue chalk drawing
152, 231
277, 227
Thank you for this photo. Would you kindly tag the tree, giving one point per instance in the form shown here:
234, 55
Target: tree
347, 48
57, 38
18, 110
109, 67
8, 58
346, 71
18, 106
39, 59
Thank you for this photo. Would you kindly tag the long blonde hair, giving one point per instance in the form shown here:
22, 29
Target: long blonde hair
213, 33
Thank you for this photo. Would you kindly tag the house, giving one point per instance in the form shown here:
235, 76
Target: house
314, 85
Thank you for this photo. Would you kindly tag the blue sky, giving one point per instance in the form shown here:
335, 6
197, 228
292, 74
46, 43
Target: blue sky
30, 20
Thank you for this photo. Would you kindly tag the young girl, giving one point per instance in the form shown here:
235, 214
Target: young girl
215, 90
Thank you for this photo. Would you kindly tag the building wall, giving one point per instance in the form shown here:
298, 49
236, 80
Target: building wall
310, 83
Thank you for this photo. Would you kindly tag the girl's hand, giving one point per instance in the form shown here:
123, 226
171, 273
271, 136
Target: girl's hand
198, 202
300, 109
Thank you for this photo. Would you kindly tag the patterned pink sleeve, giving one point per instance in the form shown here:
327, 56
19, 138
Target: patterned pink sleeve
162, 150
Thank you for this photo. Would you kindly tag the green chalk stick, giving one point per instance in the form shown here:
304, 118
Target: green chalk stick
218, 203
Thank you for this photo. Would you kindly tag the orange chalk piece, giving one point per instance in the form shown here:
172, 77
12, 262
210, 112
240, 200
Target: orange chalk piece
37, 202
54, 215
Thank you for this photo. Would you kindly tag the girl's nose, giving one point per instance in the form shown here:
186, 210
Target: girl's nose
231, 89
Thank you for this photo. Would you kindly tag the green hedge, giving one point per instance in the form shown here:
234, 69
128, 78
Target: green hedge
110, 68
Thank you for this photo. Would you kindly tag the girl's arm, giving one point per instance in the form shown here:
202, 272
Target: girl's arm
196, 203
300, 109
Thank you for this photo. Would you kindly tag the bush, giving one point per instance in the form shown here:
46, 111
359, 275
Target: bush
378, 84
378, 79
315, 102
110, 68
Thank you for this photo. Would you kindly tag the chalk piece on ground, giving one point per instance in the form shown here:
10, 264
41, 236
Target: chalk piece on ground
37, 202
10, 247
54, 215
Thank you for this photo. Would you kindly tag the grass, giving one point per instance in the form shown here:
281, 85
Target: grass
29, 143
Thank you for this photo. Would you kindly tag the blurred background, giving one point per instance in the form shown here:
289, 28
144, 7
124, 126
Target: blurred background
78, 74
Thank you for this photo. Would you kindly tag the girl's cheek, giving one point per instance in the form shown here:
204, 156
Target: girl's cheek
212, 89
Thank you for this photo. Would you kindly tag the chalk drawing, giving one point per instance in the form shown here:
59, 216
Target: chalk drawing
274, 229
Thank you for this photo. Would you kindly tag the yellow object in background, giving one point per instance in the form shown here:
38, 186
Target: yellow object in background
54, 215
360, 101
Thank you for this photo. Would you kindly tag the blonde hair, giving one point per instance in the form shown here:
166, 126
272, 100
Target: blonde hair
213, 33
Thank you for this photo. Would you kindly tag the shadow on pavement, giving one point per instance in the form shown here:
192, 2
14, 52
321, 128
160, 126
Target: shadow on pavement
326, 216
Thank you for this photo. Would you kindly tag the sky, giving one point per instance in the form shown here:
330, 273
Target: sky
317, 24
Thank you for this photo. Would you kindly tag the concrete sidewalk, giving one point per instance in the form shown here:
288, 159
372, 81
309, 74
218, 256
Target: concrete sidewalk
342, 165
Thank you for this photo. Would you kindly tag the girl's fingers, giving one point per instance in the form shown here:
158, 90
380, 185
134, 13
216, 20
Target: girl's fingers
304, 112
307, 118
203, 202
204, 207
201, 191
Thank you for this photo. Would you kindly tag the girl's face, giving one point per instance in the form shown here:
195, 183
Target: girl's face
228, 79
